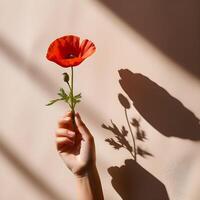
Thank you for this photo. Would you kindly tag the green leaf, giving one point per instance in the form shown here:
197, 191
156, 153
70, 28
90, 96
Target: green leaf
66, 99
59, 94
63, 93
53, 101
77, 100
78, 96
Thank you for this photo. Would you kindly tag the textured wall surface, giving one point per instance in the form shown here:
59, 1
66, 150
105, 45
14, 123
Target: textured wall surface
147, 53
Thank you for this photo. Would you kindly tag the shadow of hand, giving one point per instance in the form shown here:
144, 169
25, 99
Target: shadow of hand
133, 182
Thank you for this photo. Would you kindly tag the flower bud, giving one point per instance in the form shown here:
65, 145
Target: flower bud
66, 77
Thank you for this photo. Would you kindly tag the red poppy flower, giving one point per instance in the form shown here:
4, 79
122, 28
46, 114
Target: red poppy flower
68, 52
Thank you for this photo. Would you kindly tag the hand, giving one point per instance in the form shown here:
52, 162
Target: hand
75, 145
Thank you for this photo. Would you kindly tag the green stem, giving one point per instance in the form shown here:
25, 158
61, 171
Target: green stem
69, 86
72, 96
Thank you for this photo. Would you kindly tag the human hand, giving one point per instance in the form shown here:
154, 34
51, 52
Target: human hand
75, 144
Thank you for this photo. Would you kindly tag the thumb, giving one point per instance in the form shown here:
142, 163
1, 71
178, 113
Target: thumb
84, 131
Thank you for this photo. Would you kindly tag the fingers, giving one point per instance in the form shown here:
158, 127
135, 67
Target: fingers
65, 139
64, 143
62, 132
85, 133
66, 121
68, 114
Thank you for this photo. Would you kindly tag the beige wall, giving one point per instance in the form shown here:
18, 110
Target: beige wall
166, 104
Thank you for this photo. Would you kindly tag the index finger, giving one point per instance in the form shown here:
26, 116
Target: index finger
66, 121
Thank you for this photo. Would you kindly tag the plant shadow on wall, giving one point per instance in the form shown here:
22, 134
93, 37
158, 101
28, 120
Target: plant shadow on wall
120, 139
131, 179
166, 114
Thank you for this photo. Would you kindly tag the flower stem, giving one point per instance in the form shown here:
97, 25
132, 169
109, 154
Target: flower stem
72, 97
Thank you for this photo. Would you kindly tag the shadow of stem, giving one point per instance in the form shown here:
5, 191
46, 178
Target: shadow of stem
120, 139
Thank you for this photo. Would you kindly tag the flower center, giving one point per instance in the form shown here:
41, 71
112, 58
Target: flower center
70, 55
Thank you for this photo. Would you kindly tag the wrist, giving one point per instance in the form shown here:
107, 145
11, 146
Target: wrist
89, 185
86, 173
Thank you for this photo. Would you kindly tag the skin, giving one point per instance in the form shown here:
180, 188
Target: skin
77, 149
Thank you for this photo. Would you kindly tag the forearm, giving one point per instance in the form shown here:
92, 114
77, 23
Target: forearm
89, 186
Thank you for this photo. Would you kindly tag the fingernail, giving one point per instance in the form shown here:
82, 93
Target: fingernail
67, 118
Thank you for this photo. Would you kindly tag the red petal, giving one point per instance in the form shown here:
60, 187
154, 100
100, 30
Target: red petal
87, 48
70, 62
62, 48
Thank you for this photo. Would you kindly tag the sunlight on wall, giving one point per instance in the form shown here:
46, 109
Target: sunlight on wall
28, 81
